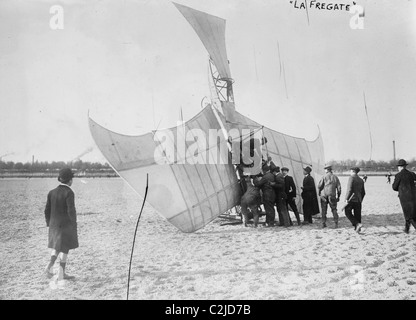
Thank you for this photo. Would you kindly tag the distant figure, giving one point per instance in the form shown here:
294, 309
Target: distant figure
61, 218
265, 183
329, 189
290, 190
388, 177
354, 197
365, 178
250, 200
281, 207
404, 183
310, 200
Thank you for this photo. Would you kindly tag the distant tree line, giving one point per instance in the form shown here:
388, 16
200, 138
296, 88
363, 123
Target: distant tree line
81, 166
45, 166
369, 165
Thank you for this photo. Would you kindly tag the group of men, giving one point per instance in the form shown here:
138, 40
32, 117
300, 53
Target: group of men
275, 188
278, 189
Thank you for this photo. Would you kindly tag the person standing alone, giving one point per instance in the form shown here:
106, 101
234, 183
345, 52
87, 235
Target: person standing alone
404, 183
61, 218
329, 191
354, 197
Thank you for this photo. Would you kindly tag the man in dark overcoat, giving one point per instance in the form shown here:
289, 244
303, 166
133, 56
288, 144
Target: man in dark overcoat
310, 199
290, 190
404, 183
61, 218
354, 197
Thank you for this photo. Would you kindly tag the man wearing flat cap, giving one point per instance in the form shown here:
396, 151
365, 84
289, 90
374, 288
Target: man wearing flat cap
354, 197
404, 183
310, 204
61, 218
329, 190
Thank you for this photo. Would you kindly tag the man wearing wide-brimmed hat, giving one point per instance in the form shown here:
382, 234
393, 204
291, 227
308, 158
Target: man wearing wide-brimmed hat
61, 218
329, 190
354, 197
404, 183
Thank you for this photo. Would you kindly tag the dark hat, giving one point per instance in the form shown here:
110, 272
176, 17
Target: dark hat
285, 169
402, 163
355, 169
265, 167
274, 168
65, 175
307, 169
328, 166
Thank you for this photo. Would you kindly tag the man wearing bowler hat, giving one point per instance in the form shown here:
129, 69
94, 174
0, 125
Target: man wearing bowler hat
61, 218
404, 183
329, 189
354, 197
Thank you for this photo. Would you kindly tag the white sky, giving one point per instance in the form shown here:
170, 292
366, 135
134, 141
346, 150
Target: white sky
135, 64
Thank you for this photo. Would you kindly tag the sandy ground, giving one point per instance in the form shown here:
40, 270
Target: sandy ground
220, 261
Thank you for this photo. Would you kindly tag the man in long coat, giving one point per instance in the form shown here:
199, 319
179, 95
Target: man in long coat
61, 218
354, 197
310, 199
404, 183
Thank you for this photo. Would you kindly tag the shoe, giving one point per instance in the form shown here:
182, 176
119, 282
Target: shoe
68, 277
324, 225
48, 273
406, 229
358, 228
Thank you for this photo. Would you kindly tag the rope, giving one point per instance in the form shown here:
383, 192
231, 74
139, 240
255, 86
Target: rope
135, 232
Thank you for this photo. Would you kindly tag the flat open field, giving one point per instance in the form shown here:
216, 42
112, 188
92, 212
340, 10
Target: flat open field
220, 261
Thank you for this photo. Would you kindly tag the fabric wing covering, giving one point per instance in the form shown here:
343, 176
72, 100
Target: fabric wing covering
211, 31
188, 190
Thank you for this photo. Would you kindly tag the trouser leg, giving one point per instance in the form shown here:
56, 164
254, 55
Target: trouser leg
292, 204
244, 211
279, 214
270, 213
281, 205
324, 206
357, 211
256, 216
349, 215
